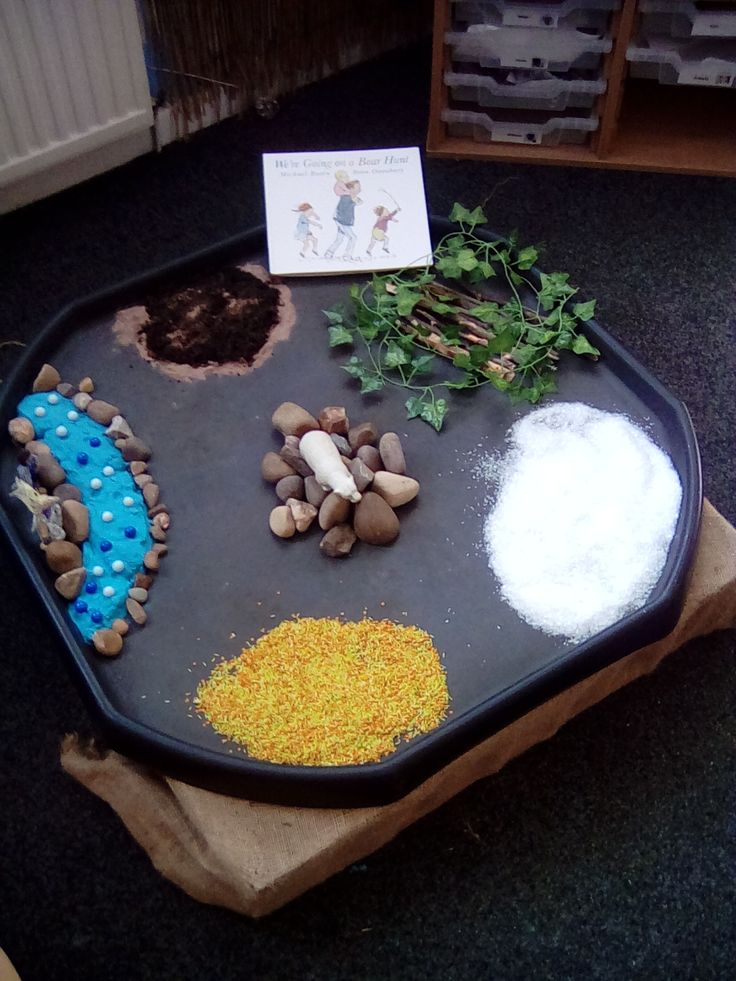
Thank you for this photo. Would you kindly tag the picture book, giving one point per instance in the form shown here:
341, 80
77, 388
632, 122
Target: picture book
345, 211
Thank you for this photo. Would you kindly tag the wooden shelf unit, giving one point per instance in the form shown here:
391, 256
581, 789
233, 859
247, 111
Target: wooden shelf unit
643, 125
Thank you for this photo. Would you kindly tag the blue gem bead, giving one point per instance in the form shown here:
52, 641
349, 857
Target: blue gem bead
94, 441
80, 606
95, 616
82, 459
105, 545
90, 587
130, 532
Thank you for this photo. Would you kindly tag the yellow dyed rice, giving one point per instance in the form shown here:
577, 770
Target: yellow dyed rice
322, 692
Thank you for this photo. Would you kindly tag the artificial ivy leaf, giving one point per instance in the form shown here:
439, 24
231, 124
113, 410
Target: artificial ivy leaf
455, 242
459, 213
525, 354
413, 407
370, 383
339, 335
466, 259
395, 355
581, 345
355, 367
355, 291
462, 361
478, 355
486, 269
335, 316
565, 340
503, 341
434, 413
527, 257
450, 333
440, 307
584, 311
448, 266
486, 311
475, 275
515, 278
423, 364
405, 342
476, 217
536, 336
467, 382
406, 300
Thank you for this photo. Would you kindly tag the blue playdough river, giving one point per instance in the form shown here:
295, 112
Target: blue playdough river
118, 516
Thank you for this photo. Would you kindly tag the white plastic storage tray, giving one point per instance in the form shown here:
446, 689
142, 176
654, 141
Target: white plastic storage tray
684, 18
676, 62
510, 47
524, 89
531, 128
527, 13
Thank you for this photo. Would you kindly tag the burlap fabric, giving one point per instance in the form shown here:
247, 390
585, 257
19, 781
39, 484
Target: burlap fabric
254, 858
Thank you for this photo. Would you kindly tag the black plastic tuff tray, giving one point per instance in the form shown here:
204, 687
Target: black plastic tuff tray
227, 577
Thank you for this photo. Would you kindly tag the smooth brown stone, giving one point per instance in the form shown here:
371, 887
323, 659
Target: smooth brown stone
86, 385
136, 612
291, 455
157, 533
160, 549
374, 521
138, 467
281, 522
70, 583
62, 556
159, 509
66, 389
364, 434
75, 521
48, 470
119, 429
67, 492
273, 468
334, 419
144, 581
396, 489
107, 642
142, 479
133, 448
338, 542
138, 594
151, 561
120, 626
81, 400
362, 475
392, 453
334, 511
343, 447
151, 494
290, 487
302, 512
163, 520
292, 420
47, 379
102, 412
21, 430
314, 493
370, 457
38, 447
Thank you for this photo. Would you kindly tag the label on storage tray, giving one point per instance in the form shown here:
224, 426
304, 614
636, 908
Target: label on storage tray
714, 25
529, 18
697, 75
514, 134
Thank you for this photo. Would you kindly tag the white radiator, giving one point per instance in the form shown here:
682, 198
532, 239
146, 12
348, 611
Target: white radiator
74, 96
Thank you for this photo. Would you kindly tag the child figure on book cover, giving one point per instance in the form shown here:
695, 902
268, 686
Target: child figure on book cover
308, 218
379, 232
347, 192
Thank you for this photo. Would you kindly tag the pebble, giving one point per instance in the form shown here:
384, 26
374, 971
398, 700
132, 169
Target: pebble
292, 420
67, 492
163, 519
290, 453
160, 549
370, 457
392, 453
302, 512
334, 511
66, 389
273, 468
133, 448
47, 379
143, 580
141, 479
138, 467
365, 433
159, 509
62, 556
37, 447
102, 412
75, 521
375, 522
151, 494
136, 612
157, 533
151, 561
21, 430
107, 642
70, 582
314, 492
334, 419
396, 489
362, 475
120, 626
342, 445
281, 522
86, 385
290, 487
338, 541
118, 429
81, 400
49, 471
138, 594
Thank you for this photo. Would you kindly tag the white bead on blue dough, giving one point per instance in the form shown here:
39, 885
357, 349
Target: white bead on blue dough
97, 570
108, 471
95, 483
118, 565
72, 415
108, 591
128, 501
107, 516
62, 432
53, 399
39, 411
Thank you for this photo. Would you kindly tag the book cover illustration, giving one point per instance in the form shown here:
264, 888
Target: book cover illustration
345, 211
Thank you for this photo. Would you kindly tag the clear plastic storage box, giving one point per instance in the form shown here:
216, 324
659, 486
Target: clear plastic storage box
531, 128
684, 18
510, 47
523, 89
676, 62
526, 13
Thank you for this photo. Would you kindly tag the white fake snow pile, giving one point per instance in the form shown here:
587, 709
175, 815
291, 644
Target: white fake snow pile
584, 514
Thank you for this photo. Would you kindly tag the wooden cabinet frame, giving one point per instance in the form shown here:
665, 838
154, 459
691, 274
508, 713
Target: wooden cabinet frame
643, 125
